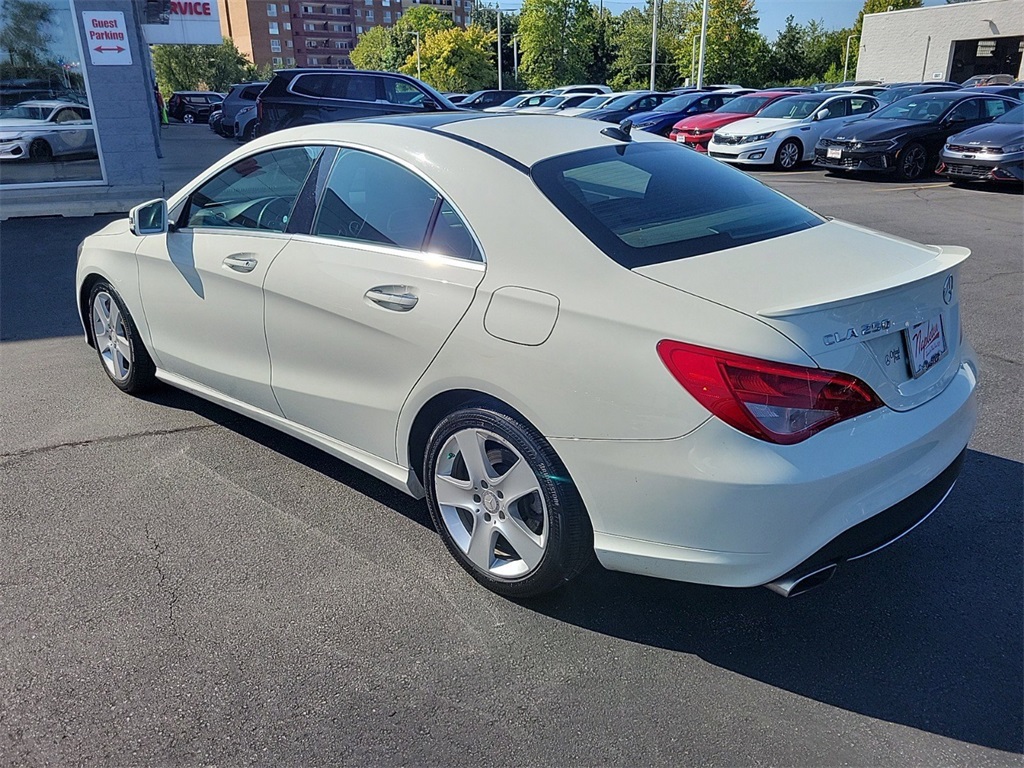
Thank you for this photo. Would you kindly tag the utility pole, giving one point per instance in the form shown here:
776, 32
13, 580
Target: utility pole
703, 45
419, 72
499, 47
654, 41
515, 58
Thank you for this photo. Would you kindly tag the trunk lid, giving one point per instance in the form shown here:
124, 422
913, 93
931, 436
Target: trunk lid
854, 300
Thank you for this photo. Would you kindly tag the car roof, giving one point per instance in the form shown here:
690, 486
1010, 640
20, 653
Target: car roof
520, 140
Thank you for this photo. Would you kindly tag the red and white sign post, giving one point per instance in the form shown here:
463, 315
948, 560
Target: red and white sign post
107, 37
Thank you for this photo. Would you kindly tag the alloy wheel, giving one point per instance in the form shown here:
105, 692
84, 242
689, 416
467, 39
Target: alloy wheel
913, 161
789, 155
491, 504
111, 336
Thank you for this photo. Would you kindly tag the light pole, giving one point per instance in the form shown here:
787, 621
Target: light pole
846, 61
419, 72
703, 45
654, 40
515, 58
498, 8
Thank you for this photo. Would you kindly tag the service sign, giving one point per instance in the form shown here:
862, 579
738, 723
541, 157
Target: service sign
107, 37
190, 22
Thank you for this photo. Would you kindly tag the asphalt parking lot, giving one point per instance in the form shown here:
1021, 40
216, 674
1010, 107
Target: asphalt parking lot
180, 586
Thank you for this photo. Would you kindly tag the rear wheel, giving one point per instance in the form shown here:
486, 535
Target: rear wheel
788, 155
503, 503
125, 360
911, 162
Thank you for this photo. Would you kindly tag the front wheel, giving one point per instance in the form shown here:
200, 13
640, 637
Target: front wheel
188, 118
40, 151
911, 163
125, 360
788, 156
503, 503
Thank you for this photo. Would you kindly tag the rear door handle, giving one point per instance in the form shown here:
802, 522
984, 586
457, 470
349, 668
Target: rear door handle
397, 298
240, 262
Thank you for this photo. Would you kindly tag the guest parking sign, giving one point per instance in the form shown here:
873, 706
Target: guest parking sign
107, 38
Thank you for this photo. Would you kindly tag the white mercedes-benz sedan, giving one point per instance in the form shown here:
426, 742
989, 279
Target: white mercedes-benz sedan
569, 338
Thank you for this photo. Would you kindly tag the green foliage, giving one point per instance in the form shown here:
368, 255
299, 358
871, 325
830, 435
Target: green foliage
801, 55
381, 48
423, 19
557, 38
736, 52
456, 60
195, 67
23, 31
631, 67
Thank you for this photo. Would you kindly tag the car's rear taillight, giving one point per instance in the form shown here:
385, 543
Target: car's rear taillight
777, 402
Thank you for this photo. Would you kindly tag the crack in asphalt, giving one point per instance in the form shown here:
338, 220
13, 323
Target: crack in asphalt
162, 575
102, 440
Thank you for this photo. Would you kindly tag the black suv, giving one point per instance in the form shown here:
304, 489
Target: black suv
309, 96
193, 106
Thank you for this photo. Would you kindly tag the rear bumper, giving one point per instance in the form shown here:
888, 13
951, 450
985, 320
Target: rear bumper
718, 507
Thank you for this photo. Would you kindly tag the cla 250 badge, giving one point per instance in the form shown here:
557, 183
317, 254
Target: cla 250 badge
853, 333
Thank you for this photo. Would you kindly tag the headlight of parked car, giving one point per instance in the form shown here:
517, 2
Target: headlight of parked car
9, 136
758, 137
645, 124
884, 144
1010, 149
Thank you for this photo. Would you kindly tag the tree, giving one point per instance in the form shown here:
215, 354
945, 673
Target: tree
380, 48
456, 60
557, 37
874, 6
190, 67
631, 67
823, 50
788, 61
735, 51
24, 32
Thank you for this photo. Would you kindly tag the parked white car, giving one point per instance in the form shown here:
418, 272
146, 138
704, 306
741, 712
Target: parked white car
522, 100
570, 338
556, 104
42, 130
784, 133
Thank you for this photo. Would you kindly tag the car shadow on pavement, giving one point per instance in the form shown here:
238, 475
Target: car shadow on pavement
926, 634
296, 450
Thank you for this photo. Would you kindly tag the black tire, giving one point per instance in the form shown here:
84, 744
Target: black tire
567, 535
188, 118
788, 155
249, 132
40, 151
912, 162
140, 373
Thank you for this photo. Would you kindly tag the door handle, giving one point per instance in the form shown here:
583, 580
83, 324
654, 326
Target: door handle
240, 262
394, 297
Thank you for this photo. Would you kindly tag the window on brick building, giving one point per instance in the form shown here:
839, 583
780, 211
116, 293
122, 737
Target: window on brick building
273, 28
271, 9
369, 15
275, 45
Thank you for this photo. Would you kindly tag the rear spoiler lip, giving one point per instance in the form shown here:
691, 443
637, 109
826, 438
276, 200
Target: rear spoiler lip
948, 256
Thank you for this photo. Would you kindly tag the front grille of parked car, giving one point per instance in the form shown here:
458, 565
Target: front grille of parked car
836, 162
962, 148
971, 171
835, 143
720, 139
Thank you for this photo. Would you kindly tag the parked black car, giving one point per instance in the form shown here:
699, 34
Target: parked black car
895, 93
193, 106
309, 96
1010, 91
990, 152
905, 137
627, 106
485, 99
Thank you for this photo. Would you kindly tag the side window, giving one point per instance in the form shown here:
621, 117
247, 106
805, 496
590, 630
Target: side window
353, 87
646, 104
374, 200
311, 85
994, 108
250, 94
451, 236
837, 108
861, 105
255, 193
967, 110
401, 92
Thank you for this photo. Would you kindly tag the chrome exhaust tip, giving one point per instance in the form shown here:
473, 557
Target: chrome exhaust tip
793, 585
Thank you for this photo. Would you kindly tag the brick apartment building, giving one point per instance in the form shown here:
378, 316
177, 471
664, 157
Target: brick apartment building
316, 34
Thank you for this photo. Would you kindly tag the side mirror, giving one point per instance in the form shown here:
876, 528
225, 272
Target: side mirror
430, 105
821, 114
149, 218
956, 118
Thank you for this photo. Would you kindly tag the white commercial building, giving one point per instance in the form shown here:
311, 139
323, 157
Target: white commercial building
943, 42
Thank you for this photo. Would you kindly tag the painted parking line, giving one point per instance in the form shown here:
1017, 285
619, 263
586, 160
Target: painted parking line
920, 186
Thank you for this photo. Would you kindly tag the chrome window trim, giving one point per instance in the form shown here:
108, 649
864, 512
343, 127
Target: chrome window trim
391, 250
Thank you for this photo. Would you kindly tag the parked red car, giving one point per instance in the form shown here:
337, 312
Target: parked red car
695, 131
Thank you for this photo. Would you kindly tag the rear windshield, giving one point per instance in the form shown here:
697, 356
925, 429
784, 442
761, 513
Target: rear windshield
648, 203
